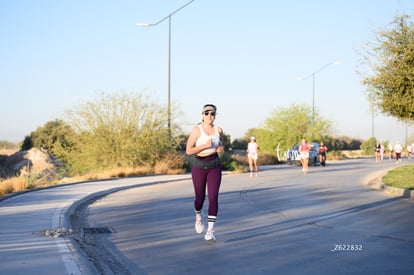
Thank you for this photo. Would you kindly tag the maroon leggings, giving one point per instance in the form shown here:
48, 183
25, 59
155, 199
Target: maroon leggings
210, 178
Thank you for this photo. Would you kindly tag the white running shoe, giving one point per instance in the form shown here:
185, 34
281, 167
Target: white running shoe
199, 226
209, 236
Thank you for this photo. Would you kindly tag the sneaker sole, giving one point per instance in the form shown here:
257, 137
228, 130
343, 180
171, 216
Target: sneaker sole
210, 240
198, 231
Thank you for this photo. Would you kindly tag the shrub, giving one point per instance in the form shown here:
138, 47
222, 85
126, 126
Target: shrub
171, 163
12, 185
334, 155
229, 163
6, 187
368, 146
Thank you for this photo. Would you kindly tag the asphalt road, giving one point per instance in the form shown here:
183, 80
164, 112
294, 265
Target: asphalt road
25, 219
280, 222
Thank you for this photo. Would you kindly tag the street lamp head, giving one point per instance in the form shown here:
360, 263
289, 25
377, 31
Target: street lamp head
142, 24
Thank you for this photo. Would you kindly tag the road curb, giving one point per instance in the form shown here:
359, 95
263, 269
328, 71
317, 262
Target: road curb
378, 184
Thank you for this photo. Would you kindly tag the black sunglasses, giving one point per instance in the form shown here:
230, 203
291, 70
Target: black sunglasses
206, 113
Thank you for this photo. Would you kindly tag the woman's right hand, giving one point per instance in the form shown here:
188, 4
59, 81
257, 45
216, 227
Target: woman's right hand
208, 143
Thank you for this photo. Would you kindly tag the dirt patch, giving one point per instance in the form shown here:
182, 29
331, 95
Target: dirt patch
32, 162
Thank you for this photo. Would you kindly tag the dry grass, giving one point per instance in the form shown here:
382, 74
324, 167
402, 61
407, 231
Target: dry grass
171, 164
23, 182
264, 159
355, 154
12, 185
36, 171
97, 175
33, 167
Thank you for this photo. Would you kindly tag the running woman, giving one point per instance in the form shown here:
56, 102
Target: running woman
252, 155
304, 149
204, 143
322, 153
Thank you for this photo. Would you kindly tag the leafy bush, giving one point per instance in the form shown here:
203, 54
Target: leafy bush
334, 155
368, 146
228, 163
119, 130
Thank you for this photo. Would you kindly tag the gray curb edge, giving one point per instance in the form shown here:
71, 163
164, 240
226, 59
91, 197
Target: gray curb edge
377, 183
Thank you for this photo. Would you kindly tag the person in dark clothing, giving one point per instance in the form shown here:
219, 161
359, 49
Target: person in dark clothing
322, 153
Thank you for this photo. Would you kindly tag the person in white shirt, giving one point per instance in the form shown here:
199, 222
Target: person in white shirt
398, 149
409, 151
252, 155
304, 150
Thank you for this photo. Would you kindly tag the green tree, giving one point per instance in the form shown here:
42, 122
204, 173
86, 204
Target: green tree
239, 144
27, 143
342, 143
368, 146
288, 126
265, 138
57, 137
119, 130
389, 59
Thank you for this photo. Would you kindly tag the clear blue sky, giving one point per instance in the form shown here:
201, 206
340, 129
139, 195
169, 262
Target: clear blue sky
244, 56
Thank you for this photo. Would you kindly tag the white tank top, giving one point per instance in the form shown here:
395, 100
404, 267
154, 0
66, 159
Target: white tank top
204, 137
252, 147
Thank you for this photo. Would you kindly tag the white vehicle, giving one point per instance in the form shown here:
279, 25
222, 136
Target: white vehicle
293, 155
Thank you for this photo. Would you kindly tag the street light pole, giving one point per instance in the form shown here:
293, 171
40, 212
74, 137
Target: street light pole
313, 98
406, 135
169, 55
373, 116
313, 85
169, 77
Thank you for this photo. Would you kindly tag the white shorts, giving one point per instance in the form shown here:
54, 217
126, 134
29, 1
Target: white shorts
304, 155
252, 156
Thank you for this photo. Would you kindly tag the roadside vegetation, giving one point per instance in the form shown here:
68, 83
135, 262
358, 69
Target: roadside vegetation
401, 177
387, 69
125, 134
